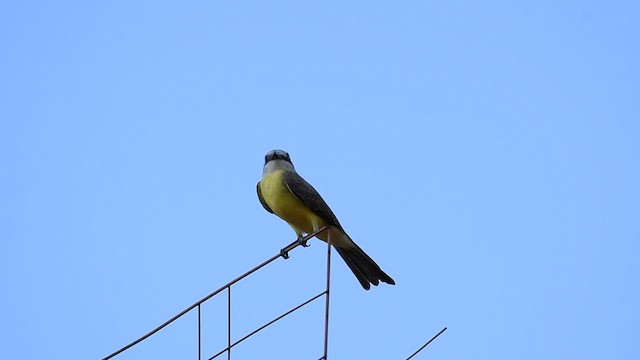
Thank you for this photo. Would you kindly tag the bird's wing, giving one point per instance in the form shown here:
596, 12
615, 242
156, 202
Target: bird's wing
264, 203
310, 197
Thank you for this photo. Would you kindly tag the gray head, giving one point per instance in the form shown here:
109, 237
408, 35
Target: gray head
277, 160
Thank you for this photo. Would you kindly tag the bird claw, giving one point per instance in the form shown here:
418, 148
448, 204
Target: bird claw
303, 242
284, 252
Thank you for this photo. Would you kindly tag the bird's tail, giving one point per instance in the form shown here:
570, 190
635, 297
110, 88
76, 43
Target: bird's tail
363, 267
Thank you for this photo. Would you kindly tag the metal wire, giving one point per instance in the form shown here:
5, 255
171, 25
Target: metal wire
427, 343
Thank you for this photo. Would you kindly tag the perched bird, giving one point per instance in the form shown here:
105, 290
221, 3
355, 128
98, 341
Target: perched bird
286, 194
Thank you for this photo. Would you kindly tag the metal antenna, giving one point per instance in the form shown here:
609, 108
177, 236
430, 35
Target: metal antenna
284, 253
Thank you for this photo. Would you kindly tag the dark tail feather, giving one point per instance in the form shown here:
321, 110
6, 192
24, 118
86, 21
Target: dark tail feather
363, 267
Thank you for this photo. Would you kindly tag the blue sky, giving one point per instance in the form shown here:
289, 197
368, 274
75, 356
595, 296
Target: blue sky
486, 155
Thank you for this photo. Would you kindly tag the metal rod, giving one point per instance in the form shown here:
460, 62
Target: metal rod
228, 348
326, 308
199, 336
229, 323
428, 342
288, 248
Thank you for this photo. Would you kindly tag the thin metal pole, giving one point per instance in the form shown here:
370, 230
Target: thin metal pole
229, 323
428, 342
199, 336
326, 308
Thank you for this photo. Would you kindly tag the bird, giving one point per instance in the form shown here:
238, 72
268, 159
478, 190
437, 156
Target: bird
286, 194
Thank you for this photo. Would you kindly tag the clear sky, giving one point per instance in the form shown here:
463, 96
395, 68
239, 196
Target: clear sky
485, 154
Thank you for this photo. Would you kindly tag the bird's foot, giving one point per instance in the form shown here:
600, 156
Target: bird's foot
303, 242
284, 252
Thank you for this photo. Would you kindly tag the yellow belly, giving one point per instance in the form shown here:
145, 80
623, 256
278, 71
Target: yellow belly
288, 207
